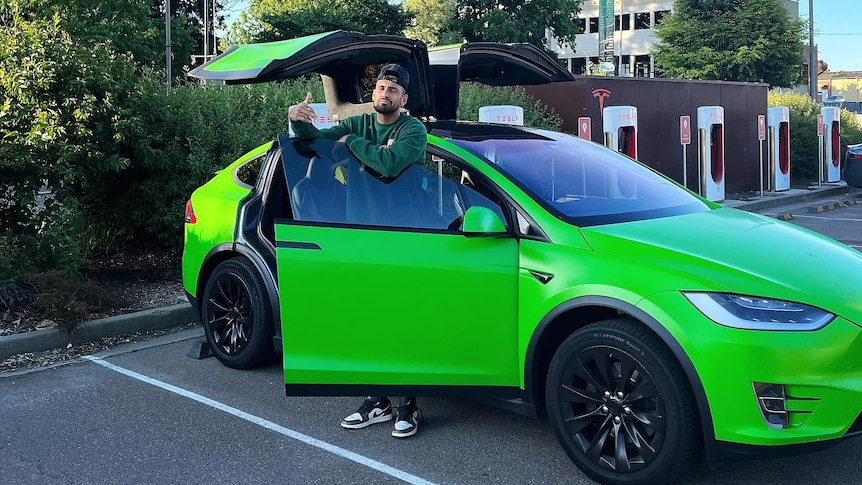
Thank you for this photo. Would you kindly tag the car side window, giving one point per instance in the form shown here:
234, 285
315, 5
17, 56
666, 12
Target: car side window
461, 189
328, 184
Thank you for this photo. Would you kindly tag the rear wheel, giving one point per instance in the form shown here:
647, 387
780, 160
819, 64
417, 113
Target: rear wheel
237, 318
620, 405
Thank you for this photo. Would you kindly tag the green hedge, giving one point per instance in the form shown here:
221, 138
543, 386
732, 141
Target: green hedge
176, 142
804, 157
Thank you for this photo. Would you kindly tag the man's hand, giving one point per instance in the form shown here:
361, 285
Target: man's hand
302, 111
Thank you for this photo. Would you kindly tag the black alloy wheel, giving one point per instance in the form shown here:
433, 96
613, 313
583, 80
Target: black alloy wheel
620, 405
237, 318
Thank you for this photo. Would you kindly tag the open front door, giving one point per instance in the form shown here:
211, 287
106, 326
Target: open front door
381, 292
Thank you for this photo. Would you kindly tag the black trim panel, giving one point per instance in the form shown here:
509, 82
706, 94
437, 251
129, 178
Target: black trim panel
298, 245
730, 452
471, 392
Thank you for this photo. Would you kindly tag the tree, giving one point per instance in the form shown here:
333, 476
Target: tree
518, 21
129, 25
822, 67
187, 17
730, 40
271, 20
61, 121
431, 21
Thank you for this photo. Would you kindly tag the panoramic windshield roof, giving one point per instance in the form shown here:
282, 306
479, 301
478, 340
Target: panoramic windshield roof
584, 183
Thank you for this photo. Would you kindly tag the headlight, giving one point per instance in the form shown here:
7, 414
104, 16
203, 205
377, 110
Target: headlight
755, 313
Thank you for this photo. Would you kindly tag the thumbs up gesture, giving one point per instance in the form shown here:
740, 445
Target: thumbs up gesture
303, 111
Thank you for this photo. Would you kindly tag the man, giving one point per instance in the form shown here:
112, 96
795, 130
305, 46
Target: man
388, 141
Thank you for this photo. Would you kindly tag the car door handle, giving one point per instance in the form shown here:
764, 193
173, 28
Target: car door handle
298, 245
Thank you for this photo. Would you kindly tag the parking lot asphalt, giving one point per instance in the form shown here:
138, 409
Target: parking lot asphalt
180, 314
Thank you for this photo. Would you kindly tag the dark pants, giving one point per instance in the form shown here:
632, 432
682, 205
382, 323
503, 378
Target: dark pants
405, 401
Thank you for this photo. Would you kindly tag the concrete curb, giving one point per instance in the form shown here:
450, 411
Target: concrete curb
41, 340
794, 196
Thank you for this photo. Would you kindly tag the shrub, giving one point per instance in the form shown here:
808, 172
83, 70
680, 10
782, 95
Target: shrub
175, 141
60, 103
803, 132
474, 96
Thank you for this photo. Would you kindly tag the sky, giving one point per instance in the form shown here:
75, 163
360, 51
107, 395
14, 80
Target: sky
837, 30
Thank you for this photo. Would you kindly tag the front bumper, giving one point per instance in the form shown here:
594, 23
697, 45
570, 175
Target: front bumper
819, 371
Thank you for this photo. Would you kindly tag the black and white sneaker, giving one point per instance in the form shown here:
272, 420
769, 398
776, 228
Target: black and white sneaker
370, 412
407, 423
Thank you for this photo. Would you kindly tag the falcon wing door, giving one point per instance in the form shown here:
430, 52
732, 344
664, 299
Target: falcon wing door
490, 63
341, 58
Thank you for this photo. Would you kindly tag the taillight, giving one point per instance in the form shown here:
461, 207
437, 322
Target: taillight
190, 213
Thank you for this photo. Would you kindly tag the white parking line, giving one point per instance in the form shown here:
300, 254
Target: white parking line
362, 460
803, 216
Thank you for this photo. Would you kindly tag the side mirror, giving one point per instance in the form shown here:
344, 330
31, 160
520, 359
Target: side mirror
480, 220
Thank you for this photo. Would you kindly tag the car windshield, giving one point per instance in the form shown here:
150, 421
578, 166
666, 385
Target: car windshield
584, 183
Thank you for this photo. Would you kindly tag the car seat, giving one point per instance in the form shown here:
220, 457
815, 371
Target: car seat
319, 196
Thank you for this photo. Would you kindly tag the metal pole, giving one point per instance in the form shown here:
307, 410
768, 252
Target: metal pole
812, 59
820, 159
206, 31
684, 168
761, 167
168, 43
215, 42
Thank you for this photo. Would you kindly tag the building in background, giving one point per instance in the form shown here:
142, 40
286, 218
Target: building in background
842, 83
628, 42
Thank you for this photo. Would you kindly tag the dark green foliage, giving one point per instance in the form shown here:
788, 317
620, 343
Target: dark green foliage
730, 40
60, 107
278, 20
128, 25
512, 21
177, 141
804, 158
474, 96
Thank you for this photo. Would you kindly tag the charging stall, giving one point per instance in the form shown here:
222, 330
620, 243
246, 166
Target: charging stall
504, 114
778, 119
321, 120
620, 126
710, 129
832, 142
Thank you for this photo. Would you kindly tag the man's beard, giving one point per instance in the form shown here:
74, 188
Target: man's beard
387, 109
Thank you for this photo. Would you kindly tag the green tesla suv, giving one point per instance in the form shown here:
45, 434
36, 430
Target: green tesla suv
542, 272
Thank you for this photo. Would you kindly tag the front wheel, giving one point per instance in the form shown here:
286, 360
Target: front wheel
620, 404
237, 318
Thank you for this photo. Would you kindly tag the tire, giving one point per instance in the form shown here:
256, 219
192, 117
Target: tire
621, 406
236, 316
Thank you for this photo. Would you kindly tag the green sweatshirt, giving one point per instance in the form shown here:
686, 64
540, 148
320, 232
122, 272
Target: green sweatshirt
388, 149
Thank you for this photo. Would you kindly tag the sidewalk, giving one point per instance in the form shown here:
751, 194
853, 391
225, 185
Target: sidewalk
180, 314
835, 190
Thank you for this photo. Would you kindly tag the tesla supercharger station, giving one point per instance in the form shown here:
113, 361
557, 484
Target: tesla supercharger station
710, 129
778, 119
505, 114
620, 126
832, 139
321, 120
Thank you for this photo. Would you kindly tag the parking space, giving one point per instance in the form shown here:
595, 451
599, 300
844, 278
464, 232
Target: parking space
153, 415
839, 218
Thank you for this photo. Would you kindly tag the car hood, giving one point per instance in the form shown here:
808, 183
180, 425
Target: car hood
743, 253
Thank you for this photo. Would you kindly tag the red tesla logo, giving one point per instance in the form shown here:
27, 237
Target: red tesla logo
602, 94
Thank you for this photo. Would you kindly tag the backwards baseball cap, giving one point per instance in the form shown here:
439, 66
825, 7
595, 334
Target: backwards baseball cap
396, 74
